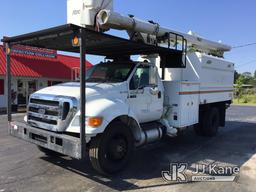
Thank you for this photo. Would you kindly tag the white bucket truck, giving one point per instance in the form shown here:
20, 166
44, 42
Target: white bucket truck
130, 104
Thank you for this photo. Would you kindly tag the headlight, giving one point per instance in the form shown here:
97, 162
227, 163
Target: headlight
26, 118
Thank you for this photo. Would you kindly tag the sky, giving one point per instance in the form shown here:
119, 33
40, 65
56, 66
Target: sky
231, 21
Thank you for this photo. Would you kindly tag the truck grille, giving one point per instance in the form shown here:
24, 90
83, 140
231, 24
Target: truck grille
47, 112
52, 122
51, 113
44, 102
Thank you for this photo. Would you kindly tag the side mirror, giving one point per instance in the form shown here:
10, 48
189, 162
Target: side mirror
154, 91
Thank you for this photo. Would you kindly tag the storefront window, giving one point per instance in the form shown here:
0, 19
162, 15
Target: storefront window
1, 87
52, 83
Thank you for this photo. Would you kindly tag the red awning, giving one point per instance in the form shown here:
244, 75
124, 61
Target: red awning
36, 66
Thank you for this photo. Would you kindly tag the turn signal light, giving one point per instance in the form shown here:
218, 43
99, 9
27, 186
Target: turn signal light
8, 51
94, 121
75, 41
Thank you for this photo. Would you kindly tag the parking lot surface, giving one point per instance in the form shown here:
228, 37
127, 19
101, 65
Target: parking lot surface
24, 168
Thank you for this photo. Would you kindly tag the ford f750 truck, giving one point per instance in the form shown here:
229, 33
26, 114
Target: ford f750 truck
128, 103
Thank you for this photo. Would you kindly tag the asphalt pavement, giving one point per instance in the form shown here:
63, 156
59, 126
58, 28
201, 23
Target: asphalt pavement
24, 168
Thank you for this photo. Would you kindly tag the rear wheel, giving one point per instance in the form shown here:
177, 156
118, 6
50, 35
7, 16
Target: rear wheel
209, 123
197, 129
111, 151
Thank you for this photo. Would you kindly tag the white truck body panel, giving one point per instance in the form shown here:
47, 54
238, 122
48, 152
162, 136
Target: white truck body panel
215, 76
183, 109
206, 79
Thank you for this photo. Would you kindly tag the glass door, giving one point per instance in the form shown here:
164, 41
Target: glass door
25, 89
31, 88
21, 93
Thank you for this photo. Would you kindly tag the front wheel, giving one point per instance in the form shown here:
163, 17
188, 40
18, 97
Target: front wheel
111, 151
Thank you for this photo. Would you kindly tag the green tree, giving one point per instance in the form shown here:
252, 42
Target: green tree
236, 76
239, 87
255, 74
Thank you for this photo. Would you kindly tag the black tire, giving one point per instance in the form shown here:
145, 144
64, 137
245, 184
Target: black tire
49, 152
197, 129
209, 123
110, 152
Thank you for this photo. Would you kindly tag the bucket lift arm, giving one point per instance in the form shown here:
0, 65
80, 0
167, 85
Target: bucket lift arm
99, 14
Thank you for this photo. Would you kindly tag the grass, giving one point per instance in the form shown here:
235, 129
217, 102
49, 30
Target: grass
249, 100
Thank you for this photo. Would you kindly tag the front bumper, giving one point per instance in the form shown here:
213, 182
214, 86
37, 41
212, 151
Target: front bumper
60, 143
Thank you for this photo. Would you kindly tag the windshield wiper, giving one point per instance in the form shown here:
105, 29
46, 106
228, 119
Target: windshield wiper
96, 80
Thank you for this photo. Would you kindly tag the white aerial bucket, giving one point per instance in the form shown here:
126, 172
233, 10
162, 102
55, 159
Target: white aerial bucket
83, 12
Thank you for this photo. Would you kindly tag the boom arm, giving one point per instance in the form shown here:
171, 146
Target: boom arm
99, 14
108, 19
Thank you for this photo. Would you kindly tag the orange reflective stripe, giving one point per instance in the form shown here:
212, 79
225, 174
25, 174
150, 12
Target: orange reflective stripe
203, 92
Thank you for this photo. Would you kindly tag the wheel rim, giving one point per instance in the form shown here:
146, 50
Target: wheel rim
117, 148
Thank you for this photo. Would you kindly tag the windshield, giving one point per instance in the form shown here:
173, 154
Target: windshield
109, 72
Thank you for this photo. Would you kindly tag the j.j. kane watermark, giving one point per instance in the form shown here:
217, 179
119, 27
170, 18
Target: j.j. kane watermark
179, 173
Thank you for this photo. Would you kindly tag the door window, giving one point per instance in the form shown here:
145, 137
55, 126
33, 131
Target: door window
144, 76
140, 78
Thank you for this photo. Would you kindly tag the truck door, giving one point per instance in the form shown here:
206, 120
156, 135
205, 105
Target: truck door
145, 98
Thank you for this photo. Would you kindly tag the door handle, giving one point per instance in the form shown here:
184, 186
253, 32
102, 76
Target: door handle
133, 96
159, 95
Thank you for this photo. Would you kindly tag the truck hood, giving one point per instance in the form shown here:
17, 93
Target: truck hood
72, 89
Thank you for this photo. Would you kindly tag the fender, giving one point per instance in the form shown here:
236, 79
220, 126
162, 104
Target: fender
110, 110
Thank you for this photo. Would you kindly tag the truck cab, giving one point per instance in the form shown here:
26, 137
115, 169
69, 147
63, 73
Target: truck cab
134, 85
